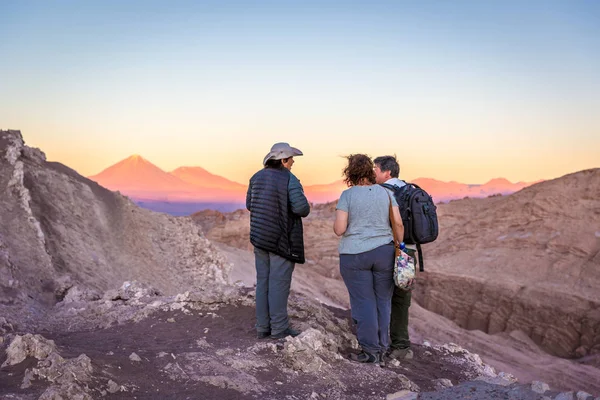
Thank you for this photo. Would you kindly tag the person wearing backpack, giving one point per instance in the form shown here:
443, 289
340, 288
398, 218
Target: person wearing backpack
277, 204
366, 248
387, 171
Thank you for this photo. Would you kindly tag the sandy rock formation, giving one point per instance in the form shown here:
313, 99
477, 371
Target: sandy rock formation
59, 229
67, 377
28, 345
529, 261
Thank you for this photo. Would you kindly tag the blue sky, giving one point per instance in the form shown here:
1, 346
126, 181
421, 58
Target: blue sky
460, 90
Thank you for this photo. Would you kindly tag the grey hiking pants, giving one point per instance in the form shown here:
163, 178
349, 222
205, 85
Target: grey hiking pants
273, 280
369, 277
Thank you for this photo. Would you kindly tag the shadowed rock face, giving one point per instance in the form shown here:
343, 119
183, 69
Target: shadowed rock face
563, 325
59, 229
529, 261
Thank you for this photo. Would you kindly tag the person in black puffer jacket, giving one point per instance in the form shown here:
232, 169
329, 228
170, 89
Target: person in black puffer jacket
276, 202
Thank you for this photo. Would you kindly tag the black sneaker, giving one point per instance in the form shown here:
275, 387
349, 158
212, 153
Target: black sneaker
364, 357
263, 335
288, 332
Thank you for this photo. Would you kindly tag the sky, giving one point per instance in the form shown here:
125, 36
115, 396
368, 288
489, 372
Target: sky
458, 90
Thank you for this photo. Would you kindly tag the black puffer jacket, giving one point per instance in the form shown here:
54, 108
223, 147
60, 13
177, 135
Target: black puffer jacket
276, 203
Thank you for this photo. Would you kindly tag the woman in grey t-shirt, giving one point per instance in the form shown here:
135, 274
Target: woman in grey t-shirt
366, 249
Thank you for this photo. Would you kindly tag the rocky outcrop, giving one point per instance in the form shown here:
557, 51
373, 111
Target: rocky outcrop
24, 261
203, 341
132, 342
565, 325
208, 219
59, 229
512, 352
28, 345
528, 261
68, 378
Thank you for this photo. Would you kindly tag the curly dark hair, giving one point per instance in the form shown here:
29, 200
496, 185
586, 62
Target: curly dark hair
359, 167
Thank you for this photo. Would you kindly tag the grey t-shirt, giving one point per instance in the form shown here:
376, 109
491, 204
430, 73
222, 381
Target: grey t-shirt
368, 209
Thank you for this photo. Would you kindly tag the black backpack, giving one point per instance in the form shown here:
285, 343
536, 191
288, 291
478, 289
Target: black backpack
419, 215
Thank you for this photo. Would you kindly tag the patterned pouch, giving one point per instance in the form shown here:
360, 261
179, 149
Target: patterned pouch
404, 271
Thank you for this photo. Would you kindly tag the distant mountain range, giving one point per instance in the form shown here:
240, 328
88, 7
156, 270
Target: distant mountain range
141, 180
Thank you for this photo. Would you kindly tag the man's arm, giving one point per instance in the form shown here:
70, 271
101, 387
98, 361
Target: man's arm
298, 201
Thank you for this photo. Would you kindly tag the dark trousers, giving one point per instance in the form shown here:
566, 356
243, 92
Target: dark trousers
273, 281
399, 320
369, 279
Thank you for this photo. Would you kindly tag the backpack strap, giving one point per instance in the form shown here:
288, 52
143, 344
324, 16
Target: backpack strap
394, 231
421, 268
388, 186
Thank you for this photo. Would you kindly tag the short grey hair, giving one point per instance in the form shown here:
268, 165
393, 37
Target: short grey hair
388, 163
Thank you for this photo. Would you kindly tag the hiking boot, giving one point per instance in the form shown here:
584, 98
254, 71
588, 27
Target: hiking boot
382, 359
288, 332
402, 354
364, 357
263, 335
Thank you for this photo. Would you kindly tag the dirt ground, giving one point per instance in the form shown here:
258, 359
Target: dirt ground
168, 336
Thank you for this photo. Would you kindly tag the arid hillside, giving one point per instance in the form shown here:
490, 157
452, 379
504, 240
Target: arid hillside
59, 229
529, 261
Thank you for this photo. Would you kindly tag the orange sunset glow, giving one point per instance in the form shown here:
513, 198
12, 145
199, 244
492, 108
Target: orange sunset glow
459, 94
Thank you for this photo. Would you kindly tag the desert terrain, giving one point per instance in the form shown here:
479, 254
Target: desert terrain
102, 299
